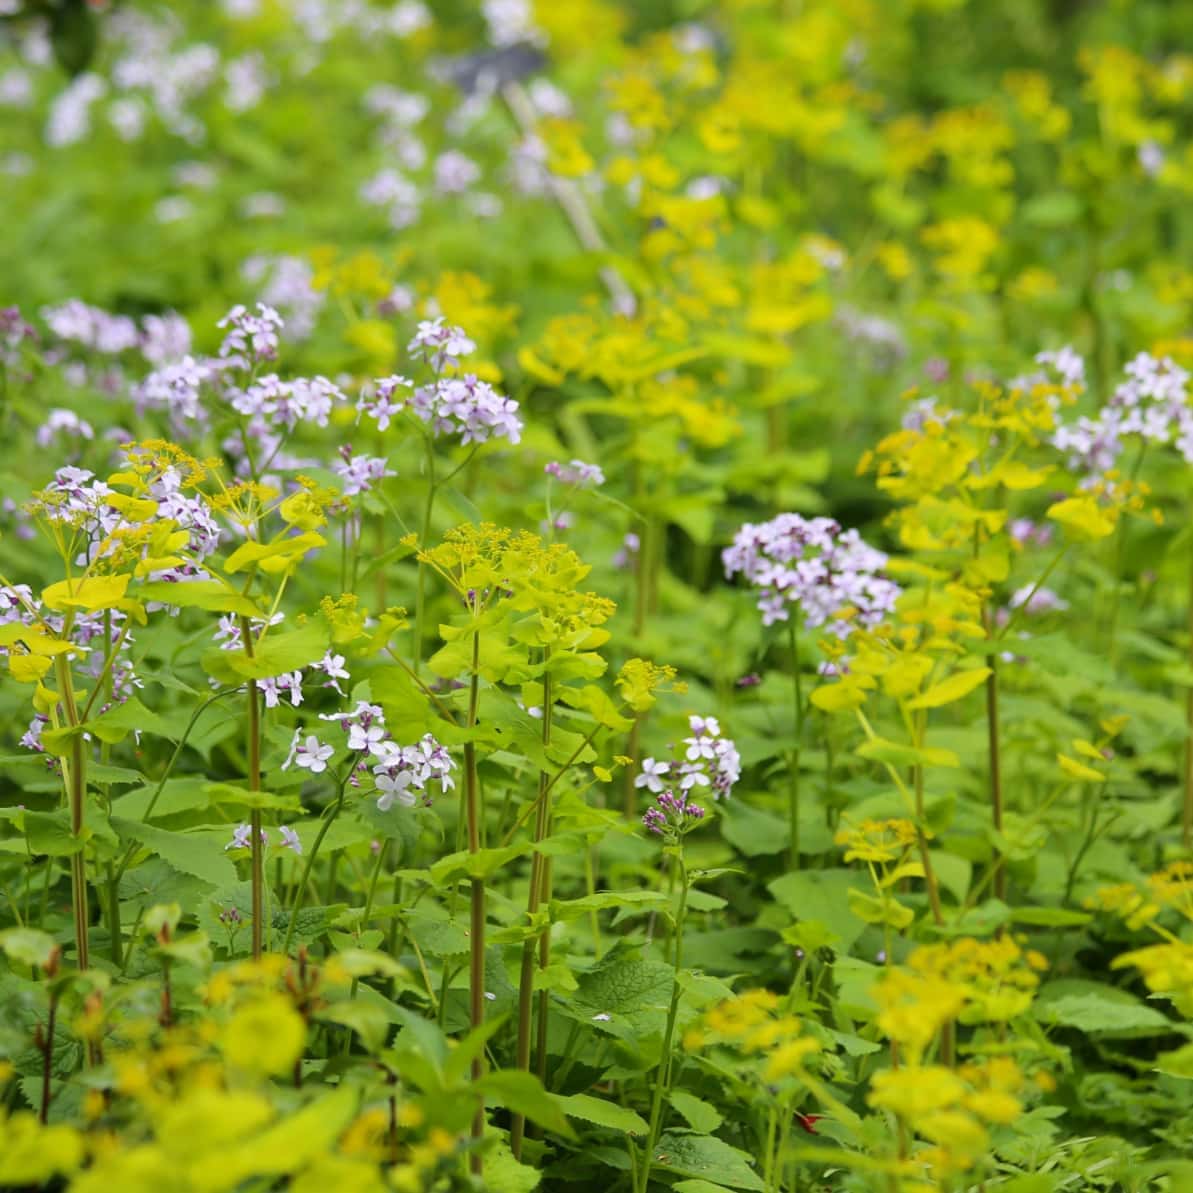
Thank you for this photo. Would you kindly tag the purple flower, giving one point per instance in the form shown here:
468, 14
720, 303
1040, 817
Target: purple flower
360, 473
672, 815
290, 839
814, 564
403, 772
379, 405
242, 838
439, 344
251, 338
583, 476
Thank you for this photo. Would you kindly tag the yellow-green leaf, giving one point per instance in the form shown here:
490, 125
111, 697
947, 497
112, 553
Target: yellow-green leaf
950, 690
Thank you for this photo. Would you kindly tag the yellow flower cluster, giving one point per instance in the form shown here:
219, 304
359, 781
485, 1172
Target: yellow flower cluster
877, 840
952, 1109
753, 1024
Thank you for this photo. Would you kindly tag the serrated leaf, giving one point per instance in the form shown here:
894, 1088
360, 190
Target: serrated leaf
602, 1113
231, 795
706, 1157
199, 853
700, 1115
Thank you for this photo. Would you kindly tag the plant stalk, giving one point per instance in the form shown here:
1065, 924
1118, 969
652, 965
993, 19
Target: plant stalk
256, 846
663, 1078
476, 957
76, 797
797, 729
1187, 810
533, 901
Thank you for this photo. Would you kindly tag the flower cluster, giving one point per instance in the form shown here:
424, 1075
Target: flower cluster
1152, 403
440, 344
577, 473
467, 407
251, 337
404, 772
753, 1023
830, 574
399, 773
360, 473
709, 760
878, 841
671, 815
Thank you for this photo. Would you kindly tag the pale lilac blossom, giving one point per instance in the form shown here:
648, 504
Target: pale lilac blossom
813, 564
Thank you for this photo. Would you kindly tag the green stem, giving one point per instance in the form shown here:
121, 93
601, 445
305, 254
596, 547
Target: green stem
309, 863
1187, 812
420, 595
797, 728
76, 778
663, 1078
533, 900
476, 956
993, 740
256, 846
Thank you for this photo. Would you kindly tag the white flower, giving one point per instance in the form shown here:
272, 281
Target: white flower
653, 774
367, 738
313, 755
395, 787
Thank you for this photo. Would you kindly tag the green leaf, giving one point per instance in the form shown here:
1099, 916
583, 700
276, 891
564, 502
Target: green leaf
878, 911
503, 1174
1099, 1010
278, 653
626, 987
48, 833
367, 1020
199, 853
950, 690
602, 1113
1178, 1063
1049, 917
1052, 209
896, 754
753, 831
523, 1093
230, 795
570, 909
701, 1116
437, 935
479, 864
821, 896
28, 946
199, 594
288, 548
706, 1157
